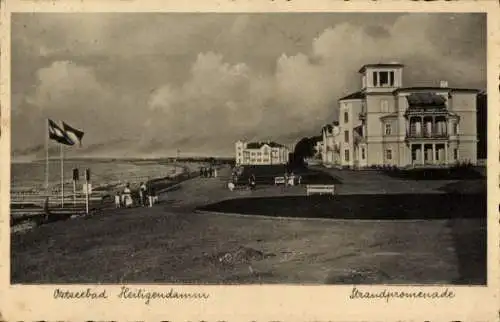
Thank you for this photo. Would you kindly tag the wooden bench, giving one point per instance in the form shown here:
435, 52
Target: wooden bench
279, 180
320, 189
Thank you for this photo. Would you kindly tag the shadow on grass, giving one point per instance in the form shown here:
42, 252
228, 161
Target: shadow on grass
456, 173
466, 187
378, 207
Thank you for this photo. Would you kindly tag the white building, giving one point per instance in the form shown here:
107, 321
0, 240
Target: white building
260, 153
330, 144
387, 124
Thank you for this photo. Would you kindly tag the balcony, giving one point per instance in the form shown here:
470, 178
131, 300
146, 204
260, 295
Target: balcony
427, 135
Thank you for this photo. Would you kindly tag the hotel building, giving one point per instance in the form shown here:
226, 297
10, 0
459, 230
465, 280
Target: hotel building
387, 124
260, 153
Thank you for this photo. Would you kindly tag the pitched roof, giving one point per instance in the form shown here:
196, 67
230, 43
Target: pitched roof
353, 96
381, 65
258, 145
423, 99
437, 89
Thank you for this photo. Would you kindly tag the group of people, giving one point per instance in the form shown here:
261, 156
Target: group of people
290, 179
252, 182
124, 199
208, 172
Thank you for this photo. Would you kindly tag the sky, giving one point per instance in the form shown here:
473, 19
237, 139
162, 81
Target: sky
147, 84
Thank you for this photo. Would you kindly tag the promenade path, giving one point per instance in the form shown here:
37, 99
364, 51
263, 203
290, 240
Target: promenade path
170, 243
201, 191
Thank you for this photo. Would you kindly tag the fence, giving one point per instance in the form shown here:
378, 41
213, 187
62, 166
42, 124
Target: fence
29, 204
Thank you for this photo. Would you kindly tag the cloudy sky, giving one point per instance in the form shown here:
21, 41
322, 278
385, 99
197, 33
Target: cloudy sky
144, 84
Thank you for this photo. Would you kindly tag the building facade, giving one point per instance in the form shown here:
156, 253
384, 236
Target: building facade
261, 153
330, 147
387, 124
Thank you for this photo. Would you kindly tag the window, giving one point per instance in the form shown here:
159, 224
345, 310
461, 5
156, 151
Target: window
455, 154
391, 78
388, 129
388, 154
413, 154
455, 128
384, 78
362, 153
346, 117
384, 106
346, 155
346, 136
375, 79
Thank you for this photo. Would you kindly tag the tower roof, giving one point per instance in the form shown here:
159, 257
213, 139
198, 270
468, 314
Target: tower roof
382, 65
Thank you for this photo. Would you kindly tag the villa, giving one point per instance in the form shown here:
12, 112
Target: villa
260, 153
387, 124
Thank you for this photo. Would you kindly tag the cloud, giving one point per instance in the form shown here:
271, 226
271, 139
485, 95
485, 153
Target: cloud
225, 94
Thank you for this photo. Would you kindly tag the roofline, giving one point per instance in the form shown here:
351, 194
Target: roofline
345, 98
363, 68
447, 89
351, 99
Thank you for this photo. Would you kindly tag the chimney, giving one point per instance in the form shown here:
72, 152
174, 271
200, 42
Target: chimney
443, 84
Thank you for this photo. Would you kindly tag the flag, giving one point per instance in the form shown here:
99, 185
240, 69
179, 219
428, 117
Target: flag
73, 134
57, 134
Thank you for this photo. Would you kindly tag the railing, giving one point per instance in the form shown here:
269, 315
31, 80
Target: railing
320, 189
36, 204
426, 134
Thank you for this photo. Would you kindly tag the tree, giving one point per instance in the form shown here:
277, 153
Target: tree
304, 148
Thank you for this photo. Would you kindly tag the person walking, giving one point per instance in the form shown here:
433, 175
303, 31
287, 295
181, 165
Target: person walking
128, 196
122, 199
142, 194
118, 203
252, 182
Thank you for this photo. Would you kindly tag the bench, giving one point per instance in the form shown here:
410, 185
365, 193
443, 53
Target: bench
320, 189
279, 180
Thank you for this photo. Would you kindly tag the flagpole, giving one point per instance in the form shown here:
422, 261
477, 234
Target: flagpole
62, 176
47, 156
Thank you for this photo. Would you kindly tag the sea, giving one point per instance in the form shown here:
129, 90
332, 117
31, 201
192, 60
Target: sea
30, 176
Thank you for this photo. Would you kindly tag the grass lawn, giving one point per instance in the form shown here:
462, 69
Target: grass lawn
265, 174
454, 173
380, 207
